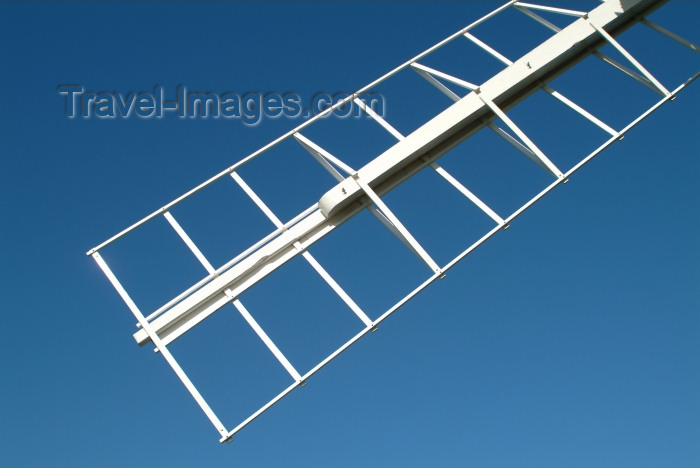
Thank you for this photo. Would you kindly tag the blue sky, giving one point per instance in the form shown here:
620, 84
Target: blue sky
572, 339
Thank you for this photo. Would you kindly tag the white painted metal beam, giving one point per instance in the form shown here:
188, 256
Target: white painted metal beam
629, 57
399, 226
337, 289
549, 165
377, 118
263, 336
191, 245
669, 34
466, 116
488, 49
561, 11
605, 58
466, 192
580, 110
324, 157
496, 129
423, 71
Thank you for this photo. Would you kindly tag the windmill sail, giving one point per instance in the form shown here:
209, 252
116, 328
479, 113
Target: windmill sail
476, 107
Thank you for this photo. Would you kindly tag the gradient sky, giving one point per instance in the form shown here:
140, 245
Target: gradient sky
572, 339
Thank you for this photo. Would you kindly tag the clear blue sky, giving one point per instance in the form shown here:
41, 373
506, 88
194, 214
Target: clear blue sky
572, 339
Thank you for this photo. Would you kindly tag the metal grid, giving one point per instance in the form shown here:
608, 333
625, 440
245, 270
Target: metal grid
363, 188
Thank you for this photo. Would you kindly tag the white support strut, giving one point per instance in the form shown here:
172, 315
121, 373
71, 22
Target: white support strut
191, 245
395, 221
554, 170
263, 336
629, 57
377, 118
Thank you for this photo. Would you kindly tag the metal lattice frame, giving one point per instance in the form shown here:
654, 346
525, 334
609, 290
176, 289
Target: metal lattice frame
363, 188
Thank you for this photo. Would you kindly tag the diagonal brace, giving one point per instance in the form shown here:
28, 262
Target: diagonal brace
399, 226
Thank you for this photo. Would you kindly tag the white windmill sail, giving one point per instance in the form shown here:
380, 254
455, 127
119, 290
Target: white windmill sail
362, 188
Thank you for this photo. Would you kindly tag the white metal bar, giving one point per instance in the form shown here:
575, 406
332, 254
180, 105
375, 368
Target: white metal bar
430, 50
336, 287
494, 230
177, 298
345, 346
377, 118
377, 213
306, 376
308, 257
632, 124
232, 262
556, 94
669, 34
627, 71
188, 241
593, 154
629, 57
597, 54
537, 18
550, 166
301, 216
171, 329
263, 336
228, 437
202, 303
488, 48
532, 153
569, 173
444, 89
321, 155
333, 284
427, 73
260, 243
159, 345
519, 146
580, 110
499, 131
466, 192
395, 221
452, 79
257, 200
326, 165
562, 11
